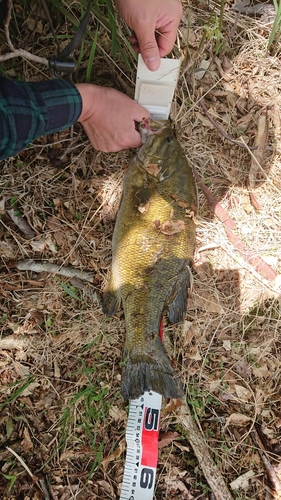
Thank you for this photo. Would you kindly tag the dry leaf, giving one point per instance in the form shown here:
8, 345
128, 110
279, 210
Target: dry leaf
108, 488
143, 207
237, 419
113, 456
153, 169
261, 371
177, 485
242, 392
269, 432
173, 405
38, 245
226, 64
244, 122
227, 396
13, 342
242, 482
49, 242
189, 331
170, 227
181, 203
30, 389
7, 250
26, 443
21, 369
227, 345
204, 120
182, 447
166, 438
203, 66
57, 371
117, 413
209, 303
34, 25
196, 356
68, 455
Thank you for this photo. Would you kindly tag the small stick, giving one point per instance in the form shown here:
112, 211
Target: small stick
206, 463
45, 490
269, 468
18, 52
9, 343
7, 23
26, 55
257, 157
33, 477
39, 267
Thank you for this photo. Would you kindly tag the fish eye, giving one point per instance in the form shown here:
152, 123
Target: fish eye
169, 138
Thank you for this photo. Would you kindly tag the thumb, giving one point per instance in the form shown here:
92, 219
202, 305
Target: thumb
149, 49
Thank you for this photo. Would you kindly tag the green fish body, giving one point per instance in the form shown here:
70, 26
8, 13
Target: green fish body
153, 244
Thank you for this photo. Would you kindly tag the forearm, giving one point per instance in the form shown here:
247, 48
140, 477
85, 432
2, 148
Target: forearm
30, 110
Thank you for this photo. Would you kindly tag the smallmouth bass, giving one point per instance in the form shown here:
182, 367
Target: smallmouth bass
152, 247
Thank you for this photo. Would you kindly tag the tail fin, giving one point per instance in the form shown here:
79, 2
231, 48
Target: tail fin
149, 371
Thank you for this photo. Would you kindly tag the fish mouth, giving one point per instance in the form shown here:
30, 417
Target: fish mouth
151, 127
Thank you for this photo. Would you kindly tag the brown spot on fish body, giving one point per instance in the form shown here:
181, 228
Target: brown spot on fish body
170, 227
143, 207
153, 169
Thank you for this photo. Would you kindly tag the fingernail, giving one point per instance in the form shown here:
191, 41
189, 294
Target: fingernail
153, 63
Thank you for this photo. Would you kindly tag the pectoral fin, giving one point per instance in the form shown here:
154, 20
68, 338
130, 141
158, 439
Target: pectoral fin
111, 301
143, 195
177, 303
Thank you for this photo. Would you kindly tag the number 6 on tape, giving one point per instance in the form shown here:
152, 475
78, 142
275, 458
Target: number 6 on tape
142, 447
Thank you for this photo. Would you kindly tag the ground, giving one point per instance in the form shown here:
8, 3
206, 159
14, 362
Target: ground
63, 420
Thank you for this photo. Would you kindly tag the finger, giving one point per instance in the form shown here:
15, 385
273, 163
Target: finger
165, 40
149, 48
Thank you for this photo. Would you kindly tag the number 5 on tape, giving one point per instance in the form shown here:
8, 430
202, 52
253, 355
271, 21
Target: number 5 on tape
142, 447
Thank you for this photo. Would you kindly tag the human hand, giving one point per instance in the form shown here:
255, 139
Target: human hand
109, 118
155, 23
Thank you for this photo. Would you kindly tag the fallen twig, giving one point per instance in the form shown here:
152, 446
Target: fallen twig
25, 55
12, 342
248, 255
200, 448
47, 267
254, 10
18, 52
21, 461
257, 157
7, 23
274, 479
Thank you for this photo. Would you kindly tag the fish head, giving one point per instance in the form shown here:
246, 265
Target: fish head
159, 150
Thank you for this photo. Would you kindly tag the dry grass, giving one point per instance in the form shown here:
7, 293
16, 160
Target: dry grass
68, 424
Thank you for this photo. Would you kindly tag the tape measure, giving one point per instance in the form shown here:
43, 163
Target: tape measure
142, 447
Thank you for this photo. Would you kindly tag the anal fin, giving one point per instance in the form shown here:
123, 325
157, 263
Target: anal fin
110, 302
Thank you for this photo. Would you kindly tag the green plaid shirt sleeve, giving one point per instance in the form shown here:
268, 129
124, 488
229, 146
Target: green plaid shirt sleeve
30, 110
